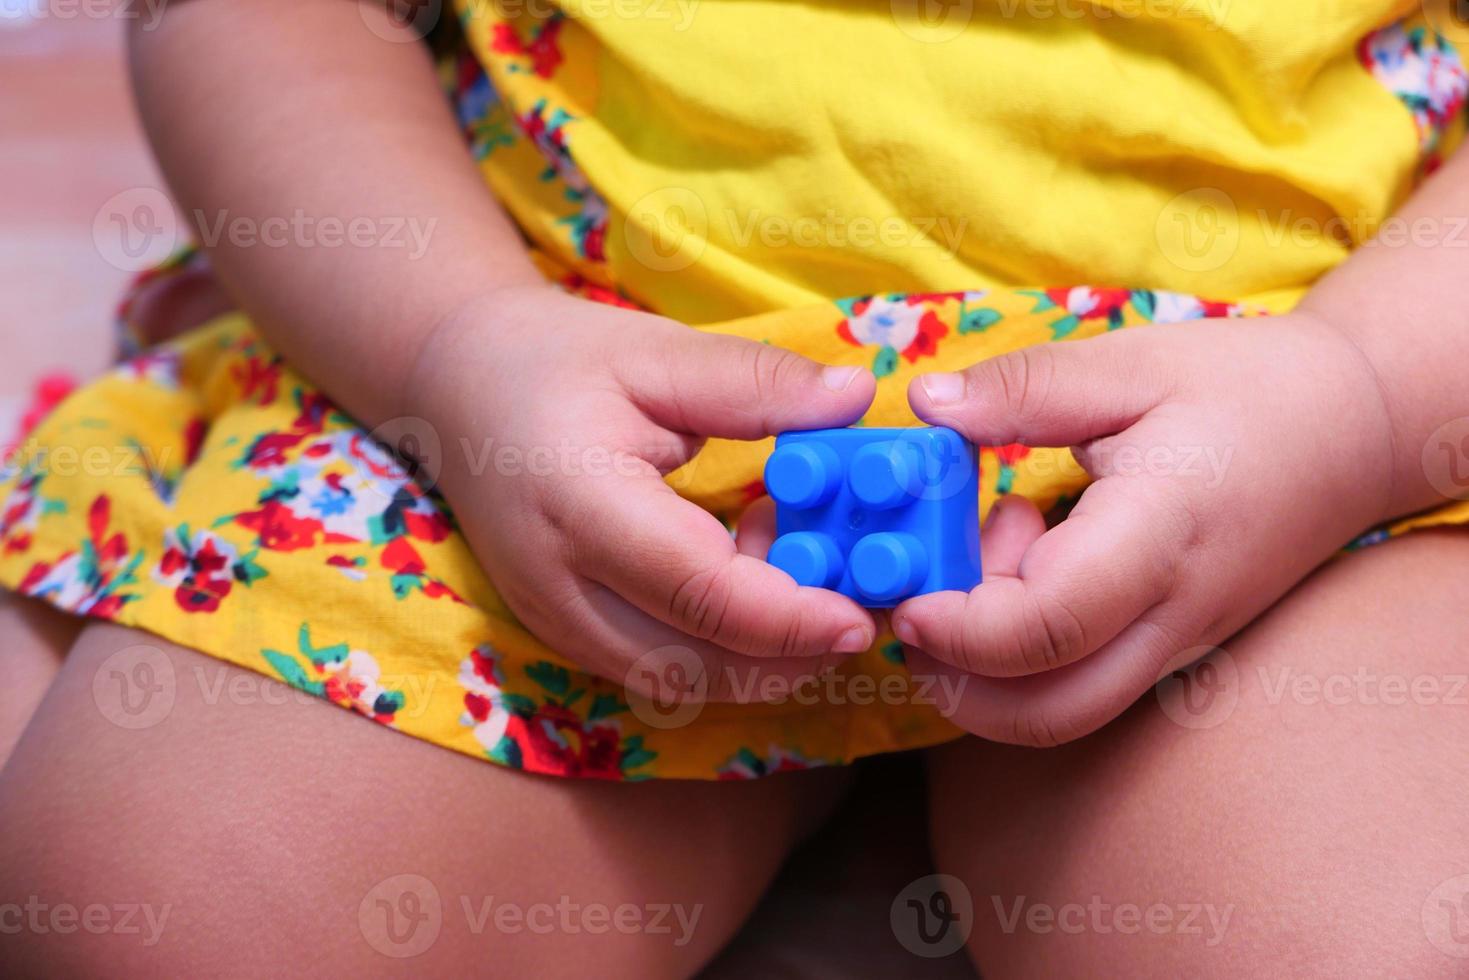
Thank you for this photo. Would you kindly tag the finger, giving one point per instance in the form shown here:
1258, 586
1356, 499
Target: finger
1057, 706
1013, 525
677, 563
1077, 586
176, 303
756, 530
1057, 394
643, 653
714, 385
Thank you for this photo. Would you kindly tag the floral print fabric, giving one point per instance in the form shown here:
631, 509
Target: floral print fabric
205, 492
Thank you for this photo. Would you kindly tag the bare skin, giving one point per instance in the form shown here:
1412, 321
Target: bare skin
1313, 822
263, 820
35, 639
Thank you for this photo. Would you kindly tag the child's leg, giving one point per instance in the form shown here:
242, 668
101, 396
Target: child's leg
34, 638
1322, 813
297, 833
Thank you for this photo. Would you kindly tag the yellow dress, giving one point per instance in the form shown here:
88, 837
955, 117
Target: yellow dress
864, 182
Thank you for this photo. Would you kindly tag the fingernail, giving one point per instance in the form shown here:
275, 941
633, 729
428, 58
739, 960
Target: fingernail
905, 632
854, 640
944, 388
839, 378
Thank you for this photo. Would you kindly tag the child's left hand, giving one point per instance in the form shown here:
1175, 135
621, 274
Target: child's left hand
1172, 547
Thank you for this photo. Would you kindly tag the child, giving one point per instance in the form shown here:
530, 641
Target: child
587, 386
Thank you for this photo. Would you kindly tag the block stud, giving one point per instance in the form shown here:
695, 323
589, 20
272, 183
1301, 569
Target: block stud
883, 475
803, 475
888, 566
808, 557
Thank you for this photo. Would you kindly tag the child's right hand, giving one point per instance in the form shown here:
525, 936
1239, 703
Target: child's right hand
559, 418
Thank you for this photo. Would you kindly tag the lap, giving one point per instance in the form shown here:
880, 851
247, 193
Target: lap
247, 827
1309, 784
33, 640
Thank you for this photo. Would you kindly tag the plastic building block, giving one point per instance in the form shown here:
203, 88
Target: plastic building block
880, 515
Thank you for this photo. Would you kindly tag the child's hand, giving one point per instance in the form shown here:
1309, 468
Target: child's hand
559, 419
1230, 456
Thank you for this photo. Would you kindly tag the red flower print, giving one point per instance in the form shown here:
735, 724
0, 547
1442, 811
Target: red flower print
556, 740
544, 54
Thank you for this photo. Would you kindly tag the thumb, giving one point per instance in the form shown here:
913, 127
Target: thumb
1057, 394
733, 388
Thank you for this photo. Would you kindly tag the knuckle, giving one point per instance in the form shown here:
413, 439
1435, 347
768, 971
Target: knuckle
967, 639
771, 369
1023, 379
1039, 729
700, 603
1054, 635
794, 638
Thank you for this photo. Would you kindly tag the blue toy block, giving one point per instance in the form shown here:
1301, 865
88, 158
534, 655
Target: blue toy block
880, 515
